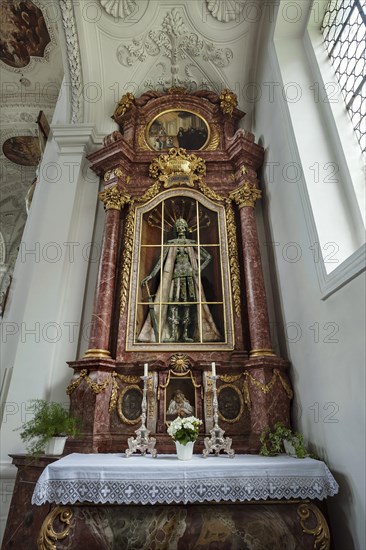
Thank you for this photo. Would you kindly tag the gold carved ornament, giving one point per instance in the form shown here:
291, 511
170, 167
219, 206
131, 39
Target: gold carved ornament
178, 168
114, 198
215, 139
245, 195
128, 379
320, 531
127, 256
48, 536
124, 104
228, 101
233, 258
115, 173
264, 388
179, 363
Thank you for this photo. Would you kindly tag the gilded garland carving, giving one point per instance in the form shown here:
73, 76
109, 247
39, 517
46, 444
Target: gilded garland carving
228, 101
245, 195
233, 258
113, 198
124, 104
320, 531
229, 378
127, 257
95, 388
150, 193
178, 168
48, 536
264, 388
210, 193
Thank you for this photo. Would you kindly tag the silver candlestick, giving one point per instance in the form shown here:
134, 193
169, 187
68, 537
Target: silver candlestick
142, 442
217, 442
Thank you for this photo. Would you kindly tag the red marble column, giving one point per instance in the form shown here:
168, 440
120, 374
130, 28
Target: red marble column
260, 336
114, 199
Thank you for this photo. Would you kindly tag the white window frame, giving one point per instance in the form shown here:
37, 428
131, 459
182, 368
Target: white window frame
330, 139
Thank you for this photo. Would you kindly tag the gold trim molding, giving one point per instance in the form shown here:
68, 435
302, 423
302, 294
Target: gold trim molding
320, 531
245, 195
97, 352
48, 536
262, 353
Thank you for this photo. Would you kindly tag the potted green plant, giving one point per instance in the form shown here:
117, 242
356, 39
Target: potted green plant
282, 439
49, 428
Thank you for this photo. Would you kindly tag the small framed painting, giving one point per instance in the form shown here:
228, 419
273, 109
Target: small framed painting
176, 128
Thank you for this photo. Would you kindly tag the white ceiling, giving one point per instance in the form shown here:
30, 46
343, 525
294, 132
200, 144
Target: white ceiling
108, 47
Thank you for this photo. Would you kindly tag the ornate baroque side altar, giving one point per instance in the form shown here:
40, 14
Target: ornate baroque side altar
180, 287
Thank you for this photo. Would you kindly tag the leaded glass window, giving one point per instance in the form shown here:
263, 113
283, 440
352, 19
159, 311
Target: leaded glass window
344, 31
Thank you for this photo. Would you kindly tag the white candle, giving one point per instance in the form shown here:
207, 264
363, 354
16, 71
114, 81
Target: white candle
146, 366
213, 367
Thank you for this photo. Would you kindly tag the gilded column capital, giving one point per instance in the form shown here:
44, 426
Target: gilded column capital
245, 195
113, 198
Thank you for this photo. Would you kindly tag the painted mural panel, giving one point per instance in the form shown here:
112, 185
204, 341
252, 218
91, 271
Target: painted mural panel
23, 33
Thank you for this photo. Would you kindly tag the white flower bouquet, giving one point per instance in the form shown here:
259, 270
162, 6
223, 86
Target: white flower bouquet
184, 430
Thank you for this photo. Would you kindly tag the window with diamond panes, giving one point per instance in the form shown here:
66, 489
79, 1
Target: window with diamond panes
344, 31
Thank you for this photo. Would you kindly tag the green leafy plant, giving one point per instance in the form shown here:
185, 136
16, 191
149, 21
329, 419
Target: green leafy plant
184, 430
272, 441
50, 420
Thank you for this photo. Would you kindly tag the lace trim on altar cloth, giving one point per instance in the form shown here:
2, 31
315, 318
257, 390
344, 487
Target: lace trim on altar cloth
188, 491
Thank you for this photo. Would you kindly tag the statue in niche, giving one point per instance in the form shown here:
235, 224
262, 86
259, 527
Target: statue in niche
179, 405
180, 290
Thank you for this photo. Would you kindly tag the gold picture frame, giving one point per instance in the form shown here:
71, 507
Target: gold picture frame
234, 405
179, 128
133, 390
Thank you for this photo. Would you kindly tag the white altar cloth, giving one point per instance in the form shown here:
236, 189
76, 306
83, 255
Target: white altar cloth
112, 478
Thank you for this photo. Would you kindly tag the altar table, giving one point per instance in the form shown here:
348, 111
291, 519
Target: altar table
107, 501
114, 479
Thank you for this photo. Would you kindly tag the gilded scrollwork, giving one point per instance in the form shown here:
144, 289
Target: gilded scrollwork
245, 195
320, 531
214, 140
114, 198
48, 536
127, 257
228, 101
141, 140
178, 168
233, 257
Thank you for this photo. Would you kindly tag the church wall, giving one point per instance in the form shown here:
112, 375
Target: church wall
323, 339
40, 328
